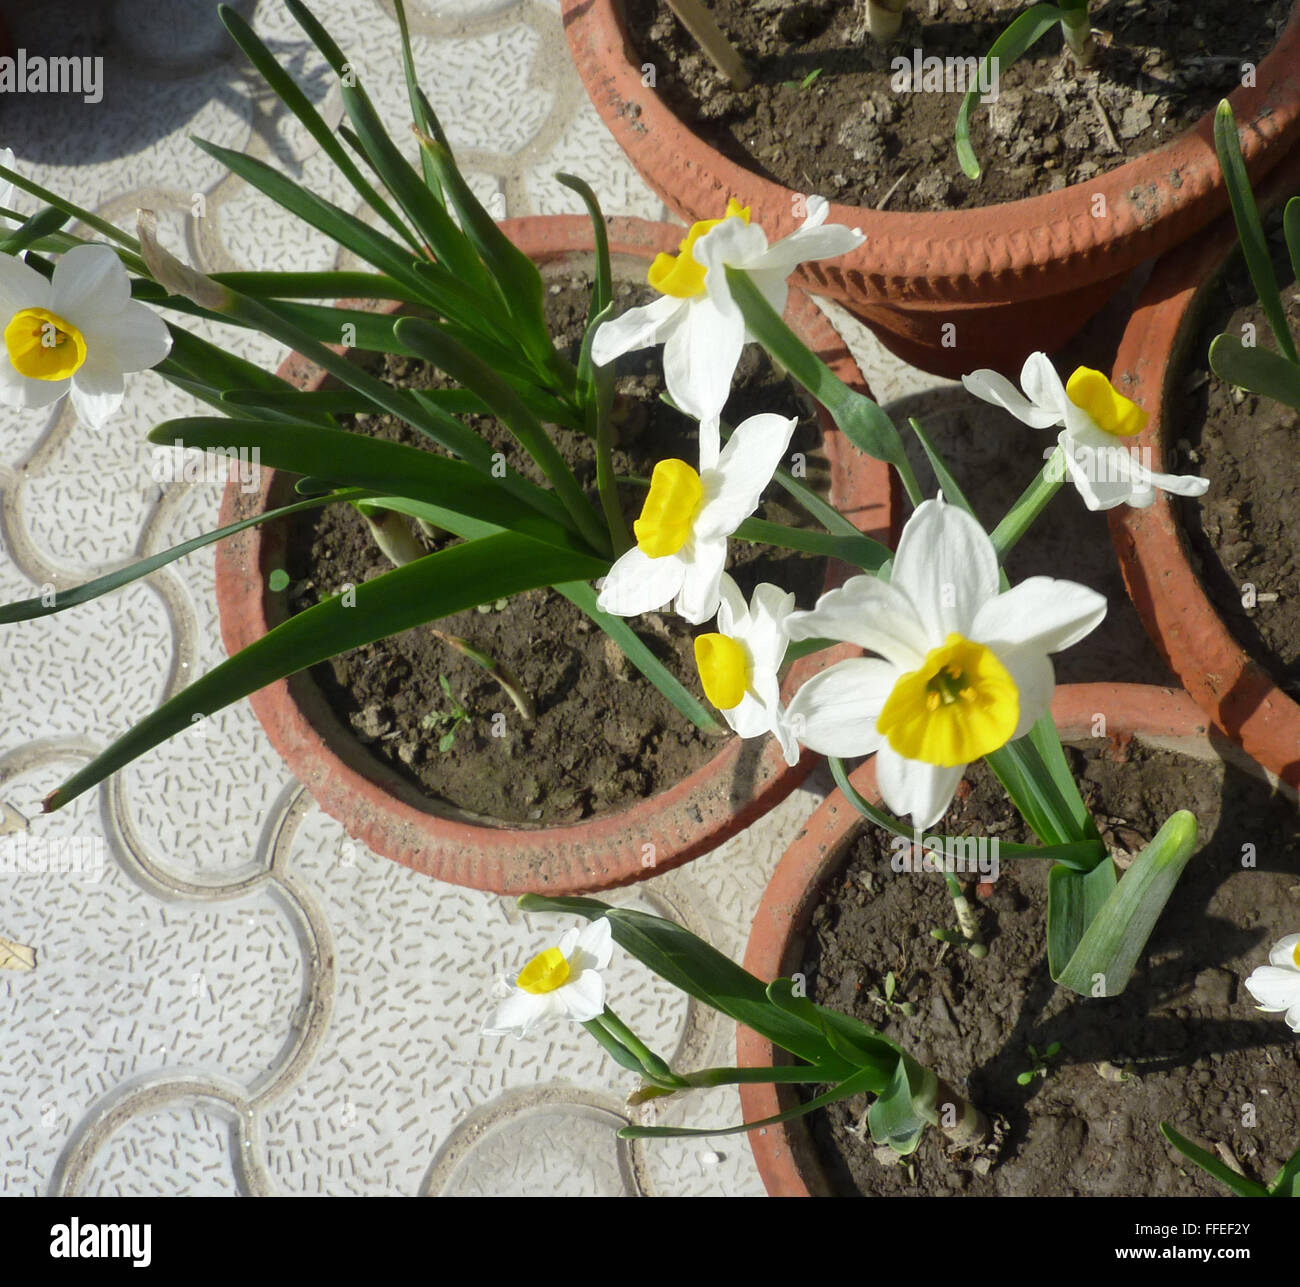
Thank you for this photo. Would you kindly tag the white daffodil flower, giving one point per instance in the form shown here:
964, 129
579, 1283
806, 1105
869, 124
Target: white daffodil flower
1096, 418
739, 664
697, 321
1276, 986
562, 982
681, 536
960, 668
77, 333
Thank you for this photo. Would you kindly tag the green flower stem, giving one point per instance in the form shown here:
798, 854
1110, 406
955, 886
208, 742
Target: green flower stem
797, 1073
598, 410
1076, 26
1020, 517
656, 1069
861, 420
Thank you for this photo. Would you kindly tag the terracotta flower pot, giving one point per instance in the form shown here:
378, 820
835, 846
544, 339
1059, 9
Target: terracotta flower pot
1235, 691
1012, 278
785, 1153
375, 804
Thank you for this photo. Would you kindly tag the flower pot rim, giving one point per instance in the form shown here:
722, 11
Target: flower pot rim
1234, 689
947, 255
785, 1153
735, 787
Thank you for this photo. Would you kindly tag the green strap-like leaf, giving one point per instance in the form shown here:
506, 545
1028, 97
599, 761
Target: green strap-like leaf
1260, 370
466, 369
854, 1084
1291, 231
691, 965
1021, 34
1116, 933
516, 276
435, 586
82, 215
379, 466
602, 291
1286, 1183
1211, 1165
581, 595
44, 222
336, 223
416, 98
900, 1115
30, 609
1245, 213
865, 425
287, 91
859, 550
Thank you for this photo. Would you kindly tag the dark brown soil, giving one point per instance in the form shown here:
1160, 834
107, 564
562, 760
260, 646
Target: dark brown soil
1185, 1034
1244, 533
603, 735
852, 136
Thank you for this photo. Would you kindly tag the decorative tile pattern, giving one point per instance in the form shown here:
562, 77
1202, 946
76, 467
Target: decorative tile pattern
230, 996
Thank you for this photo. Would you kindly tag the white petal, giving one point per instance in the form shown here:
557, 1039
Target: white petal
97, 393
515, 1015
1273, 988
910, 787
744, 469
1043, 387
1282, 953
710, 439
835, 712
701, 592
733, 607
785, 736
18, 390
733, 242
700, 358
597, 941
804, 244
89, 283
20, 287
997, 389
870, 613
947, 567
765, 635
1042, 613
133, 338
637, 583
583, 996
750, 717
638, 328
1035, 680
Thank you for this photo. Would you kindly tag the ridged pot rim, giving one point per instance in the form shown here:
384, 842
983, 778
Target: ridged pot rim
1032, 247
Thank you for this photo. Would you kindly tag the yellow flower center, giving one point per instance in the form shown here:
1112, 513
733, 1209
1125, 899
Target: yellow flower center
1090, 391
42, 346
1295, 955
724, 669
960, 705
674, 500
682, 275
545, 972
